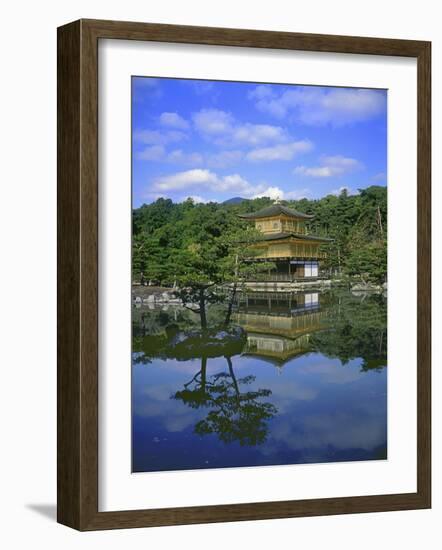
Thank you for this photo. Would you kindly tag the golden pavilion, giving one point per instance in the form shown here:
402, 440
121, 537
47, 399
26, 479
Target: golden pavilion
286, 243
279, 325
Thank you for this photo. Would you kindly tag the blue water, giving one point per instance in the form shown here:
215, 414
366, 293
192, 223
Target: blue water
250, 409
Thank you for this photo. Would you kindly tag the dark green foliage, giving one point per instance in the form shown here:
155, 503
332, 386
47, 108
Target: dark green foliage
358, 226
359, 329
368, 261
196, 246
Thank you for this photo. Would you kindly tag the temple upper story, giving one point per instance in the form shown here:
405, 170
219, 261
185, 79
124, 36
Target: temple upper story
285, 241
278, 218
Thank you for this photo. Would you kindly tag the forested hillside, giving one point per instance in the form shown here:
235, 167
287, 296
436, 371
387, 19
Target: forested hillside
187, 242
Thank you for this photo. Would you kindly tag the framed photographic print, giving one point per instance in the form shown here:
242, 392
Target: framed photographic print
243, 275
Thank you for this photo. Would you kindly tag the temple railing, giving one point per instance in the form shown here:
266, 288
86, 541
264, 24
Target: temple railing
316, 255
277, 278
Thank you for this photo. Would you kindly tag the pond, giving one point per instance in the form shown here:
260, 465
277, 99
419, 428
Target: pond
295, 378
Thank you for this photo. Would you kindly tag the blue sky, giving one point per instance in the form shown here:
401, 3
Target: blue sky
213, 140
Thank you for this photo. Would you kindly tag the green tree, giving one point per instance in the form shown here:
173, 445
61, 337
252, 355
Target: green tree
368, 261
197, 274
201, 247
241, 245
358, 331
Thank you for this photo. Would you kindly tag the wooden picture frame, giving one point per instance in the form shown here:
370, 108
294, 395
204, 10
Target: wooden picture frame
78, 274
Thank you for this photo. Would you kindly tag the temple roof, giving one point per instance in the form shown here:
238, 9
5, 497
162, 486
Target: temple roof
275, 209
276, 360
277, 357
286, 235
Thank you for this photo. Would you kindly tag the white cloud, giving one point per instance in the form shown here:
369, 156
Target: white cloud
180, 157
274, 193
263, 91
343, 106
235, 183
285, 151
221, 127
319, 106
206, 180
177, 156
271, 192
154, 152
183, 180
257, 134
330, 166
203, 180
314, 172
267, 100
223, 159
156, 137
213, 122
173, 120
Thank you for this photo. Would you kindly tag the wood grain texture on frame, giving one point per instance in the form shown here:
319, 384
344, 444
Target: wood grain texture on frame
77, 167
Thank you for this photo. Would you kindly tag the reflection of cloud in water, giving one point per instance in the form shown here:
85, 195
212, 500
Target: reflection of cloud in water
325, 405
154, 402
326, 410
179, 422
340, 431
158, 392
331, 370
287, 391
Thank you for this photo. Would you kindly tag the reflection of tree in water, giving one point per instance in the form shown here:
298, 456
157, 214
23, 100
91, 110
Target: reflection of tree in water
156, 321
355, 327
234, 414
359, 330
233, 411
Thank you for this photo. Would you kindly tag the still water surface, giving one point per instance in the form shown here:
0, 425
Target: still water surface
295, 378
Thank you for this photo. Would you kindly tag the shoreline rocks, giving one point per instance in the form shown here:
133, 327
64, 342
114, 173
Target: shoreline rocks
278, 286
159, 296
367, 287
162, 296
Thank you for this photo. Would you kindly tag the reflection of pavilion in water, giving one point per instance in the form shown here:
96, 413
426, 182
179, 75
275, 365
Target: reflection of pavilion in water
279, 324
